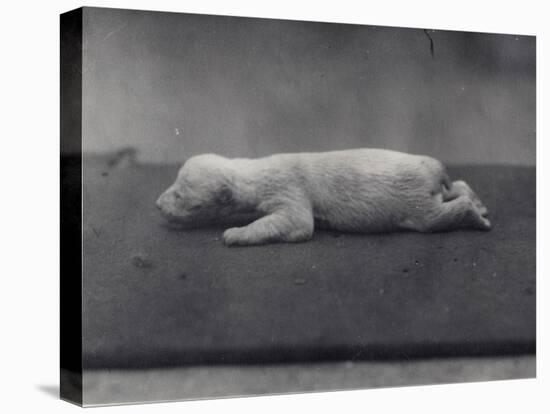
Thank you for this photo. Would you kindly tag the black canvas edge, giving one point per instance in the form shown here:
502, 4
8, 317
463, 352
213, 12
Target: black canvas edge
71, 206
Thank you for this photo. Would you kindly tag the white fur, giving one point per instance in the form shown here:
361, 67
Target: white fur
362, 190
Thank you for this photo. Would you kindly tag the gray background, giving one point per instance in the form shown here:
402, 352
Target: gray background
174, 85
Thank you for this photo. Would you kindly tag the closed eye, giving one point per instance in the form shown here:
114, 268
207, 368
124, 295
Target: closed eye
195, 207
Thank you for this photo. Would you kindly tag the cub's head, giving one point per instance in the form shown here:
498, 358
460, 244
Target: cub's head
202, 191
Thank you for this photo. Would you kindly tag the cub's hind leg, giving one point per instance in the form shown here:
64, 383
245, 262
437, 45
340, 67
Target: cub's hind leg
461, 188
458, 213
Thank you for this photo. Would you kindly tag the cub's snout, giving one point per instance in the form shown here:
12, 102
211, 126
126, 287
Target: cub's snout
166, 201
170, 205
201, 193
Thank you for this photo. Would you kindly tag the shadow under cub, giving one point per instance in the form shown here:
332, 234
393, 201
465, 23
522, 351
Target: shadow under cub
237, 220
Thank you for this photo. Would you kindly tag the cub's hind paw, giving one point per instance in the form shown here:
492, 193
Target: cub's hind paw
485, 224
480, 221
481, 208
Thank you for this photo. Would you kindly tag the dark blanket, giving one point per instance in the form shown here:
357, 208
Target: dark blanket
158, 297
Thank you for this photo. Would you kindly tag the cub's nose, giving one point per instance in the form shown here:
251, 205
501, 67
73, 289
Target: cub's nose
158, 203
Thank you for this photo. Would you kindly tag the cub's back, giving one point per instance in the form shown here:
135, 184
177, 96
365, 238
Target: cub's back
353, 170
374, 185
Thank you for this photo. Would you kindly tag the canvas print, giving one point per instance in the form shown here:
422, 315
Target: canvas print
257, 206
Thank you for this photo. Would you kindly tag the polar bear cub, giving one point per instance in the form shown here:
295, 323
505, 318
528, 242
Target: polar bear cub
361, 190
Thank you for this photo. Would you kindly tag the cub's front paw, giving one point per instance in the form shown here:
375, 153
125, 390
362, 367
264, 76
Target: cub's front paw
233, 236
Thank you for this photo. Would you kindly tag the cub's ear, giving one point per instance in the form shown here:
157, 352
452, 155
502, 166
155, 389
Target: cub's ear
224, 196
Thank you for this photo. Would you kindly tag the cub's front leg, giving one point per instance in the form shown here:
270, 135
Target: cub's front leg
290, 224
